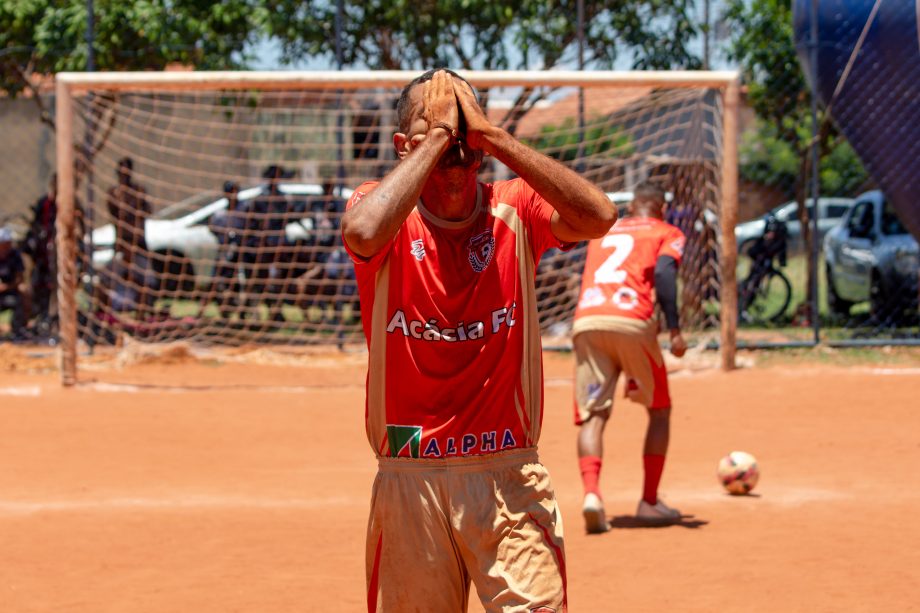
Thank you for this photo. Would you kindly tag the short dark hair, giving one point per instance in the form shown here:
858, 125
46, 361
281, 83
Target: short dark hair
126, 162
648, 192
403, 107
231, 186
273, 172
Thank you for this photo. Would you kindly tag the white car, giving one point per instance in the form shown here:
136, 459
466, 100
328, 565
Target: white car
830, 212
180, 235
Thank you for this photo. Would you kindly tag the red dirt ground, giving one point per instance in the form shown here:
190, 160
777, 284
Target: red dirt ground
248, 491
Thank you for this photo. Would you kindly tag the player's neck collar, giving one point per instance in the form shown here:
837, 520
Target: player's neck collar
453, 225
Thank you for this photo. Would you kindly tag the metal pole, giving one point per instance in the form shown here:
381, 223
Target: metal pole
340, 119
706, 34
815, 161
90, 37
88, 136
729, 293
580, 21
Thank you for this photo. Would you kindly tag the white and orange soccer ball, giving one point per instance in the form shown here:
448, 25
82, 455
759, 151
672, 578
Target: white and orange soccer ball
738, 472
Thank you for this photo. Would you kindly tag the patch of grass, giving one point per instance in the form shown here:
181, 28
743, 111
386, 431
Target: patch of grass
836, 356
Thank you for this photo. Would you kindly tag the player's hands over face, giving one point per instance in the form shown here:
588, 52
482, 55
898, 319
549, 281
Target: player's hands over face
678, 345
476, 122
440, 102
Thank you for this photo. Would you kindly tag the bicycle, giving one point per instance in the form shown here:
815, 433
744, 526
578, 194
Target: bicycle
765, 292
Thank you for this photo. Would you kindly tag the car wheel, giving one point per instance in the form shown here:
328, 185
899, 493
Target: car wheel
881, 306
837, 305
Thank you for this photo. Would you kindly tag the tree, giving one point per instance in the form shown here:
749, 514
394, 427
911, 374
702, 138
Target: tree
488, 35
769, 160
43, 37
601, 140
762, 41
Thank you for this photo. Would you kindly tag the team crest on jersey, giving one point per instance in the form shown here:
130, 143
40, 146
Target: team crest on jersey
678, 245
418, 249
481, 246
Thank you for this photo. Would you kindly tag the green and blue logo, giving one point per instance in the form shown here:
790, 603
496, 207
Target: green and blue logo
405, 441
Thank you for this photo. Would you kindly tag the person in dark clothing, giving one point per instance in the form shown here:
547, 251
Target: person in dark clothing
128, 207
229, 227
12, 293
772, 245
40, 247
271, 212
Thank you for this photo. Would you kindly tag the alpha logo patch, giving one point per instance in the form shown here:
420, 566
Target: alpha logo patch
481, 246
404, 441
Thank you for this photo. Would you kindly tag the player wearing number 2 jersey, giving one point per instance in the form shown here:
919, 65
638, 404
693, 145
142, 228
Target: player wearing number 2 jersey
445, 269
615, 331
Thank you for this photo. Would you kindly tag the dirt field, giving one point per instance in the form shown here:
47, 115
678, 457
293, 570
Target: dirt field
248, 491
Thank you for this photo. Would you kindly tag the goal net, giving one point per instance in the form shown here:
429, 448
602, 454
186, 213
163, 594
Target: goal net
206, 207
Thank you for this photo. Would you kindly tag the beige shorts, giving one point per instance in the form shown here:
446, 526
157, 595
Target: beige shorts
628, 346
437, 525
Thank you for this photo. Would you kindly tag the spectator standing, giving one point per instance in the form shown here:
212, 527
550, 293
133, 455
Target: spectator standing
129, 209
40, 246
13, 293
229, 228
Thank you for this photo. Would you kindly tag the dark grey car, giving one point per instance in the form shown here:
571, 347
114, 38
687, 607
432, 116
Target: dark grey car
872, 257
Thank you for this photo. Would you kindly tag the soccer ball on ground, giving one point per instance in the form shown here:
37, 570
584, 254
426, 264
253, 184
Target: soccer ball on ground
738, 472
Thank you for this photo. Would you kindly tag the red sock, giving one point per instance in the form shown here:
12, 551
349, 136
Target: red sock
654, 466
590, 473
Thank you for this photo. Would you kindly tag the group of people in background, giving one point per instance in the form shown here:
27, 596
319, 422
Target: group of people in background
258, 263
259, 267
29, 294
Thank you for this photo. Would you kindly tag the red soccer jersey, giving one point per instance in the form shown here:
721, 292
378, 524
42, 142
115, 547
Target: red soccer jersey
619, 275
449, 312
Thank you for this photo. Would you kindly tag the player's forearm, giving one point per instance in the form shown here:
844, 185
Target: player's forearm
370, 225
666, 291
585, 209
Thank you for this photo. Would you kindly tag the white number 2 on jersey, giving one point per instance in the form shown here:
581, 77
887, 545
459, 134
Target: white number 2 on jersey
609, 272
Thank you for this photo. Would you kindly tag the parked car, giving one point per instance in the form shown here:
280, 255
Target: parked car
830, 212
180, 234
871, 256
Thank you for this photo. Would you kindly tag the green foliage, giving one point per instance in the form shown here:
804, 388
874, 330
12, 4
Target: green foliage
842, 172
486, 34
601, 140
763, 43
48, 36
767, 159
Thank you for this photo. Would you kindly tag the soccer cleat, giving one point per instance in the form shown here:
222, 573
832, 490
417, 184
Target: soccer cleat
593, 512
658, 513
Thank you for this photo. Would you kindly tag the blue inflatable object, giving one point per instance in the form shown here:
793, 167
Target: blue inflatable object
878, 107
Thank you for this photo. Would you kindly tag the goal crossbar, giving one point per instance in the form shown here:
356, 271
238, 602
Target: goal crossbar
77, 82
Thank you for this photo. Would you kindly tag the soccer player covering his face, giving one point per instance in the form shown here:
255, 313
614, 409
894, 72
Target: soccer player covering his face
445, 270
615, 331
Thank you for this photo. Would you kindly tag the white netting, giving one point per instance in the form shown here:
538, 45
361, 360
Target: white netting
171, 261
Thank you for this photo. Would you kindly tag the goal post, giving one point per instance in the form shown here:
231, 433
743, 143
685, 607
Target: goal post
155, 244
